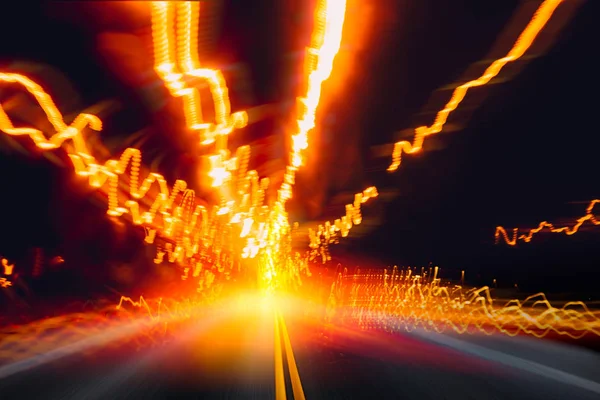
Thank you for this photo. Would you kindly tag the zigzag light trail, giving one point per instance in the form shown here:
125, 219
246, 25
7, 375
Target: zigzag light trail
172, 212
243, 225
402, 301
325, 44
525, 40
545, 225
329, 233
189, 229
175, 39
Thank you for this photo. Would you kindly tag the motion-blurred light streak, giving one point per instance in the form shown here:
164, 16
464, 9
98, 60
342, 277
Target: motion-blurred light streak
48, 340
99, 339
324, 46
163, 310
178, 50
545, 225
210, 241
329, 233
401, 300
173, 211
535, 26
175, 40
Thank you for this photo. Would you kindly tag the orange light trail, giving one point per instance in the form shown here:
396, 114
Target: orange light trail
172, 212
161, 310
329, 233
151, 320
535, 26
176, 58
567, 230
63, 132
194, 228
85, 164
175, 40
403, 301
524, 41
324, 46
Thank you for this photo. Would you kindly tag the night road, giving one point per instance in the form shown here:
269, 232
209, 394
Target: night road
232, 355
292, 199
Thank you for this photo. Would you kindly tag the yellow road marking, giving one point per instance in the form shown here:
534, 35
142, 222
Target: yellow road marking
279, 376
281, 332
293, 368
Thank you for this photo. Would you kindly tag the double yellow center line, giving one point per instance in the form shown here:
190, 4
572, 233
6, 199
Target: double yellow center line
281, 335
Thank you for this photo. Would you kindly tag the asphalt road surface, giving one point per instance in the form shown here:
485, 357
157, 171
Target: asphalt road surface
233, 355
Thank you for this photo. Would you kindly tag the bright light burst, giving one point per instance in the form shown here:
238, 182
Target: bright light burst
244, 226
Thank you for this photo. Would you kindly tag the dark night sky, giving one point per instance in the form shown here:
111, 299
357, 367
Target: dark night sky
528, 150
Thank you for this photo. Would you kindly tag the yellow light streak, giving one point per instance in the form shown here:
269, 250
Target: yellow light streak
175, 44
324, 46
329, 233
63, 132
172, 211
535, 26
524, 41
402, 301
545, 225
175, 49
174, 214
164, 310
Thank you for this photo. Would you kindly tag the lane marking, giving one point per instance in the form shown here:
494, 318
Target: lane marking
293, 368
279, 375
